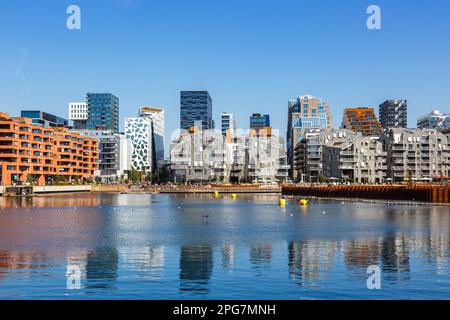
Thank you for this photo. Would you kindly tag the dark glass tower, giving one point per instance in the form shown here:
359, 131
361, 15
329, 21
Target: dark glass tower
103, 109
196, 106
258, 120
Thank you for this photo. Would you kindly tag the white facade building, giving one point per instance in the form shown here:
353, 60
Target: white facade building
78, 111
139, 131
157, 117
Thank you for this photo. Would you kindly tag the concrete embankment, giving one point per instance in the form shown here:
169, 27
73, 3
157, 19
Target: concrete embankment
421, 193
22, 190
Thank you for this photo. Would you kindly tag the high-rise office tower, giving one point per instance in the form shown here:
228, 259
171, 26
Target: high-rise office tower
195, 107
306, 113
394, 114
103, 112
362, 120
157, 117
258, 120
228, 123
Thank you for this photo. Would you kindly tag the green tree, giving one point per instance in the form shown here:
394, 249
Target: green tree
135, 175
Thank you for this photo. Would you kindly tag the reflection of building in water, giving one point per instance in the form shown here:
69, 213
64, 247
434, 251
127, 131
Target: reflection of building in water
440, 241
77, 261
149, 261
361, 253
45, 201
196, 265
228, 256
261, 256
101, 268
310, 260
27, 260
394, 254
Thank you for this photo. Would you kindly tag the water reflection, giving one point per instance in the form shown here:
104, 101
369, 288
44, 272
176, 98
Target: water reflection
261, 258
309, 261
121, 242
228, 256
102, 268
196, 266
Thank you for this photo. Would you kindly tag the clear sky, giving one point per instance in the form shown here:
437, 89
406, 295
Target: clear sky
251, 55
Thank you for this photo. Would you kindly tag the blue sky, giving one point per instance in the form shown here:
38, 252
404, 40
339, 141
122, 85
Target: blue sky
251, 55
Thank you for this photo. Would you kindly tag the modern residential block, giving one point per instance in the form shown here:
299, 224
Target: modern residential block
434, 120
416, 154
36, 154
309, 151
114, 153
362, 120
360, 159
78, 114
305, 114
394, 114
201, 156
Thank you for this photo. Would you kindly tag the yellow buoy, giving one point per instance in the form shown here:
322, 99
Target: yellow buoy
234, 196
303, 202
282, 202
216, 194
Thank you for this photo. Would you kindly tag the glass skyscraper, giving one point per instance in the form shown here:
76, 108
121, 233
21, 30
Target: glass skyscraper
258, 120
195, 107
103, 112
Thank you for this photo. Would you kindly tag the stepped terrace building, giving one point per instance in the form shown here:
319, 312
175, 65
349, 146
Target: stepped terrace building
32, 153
362, 120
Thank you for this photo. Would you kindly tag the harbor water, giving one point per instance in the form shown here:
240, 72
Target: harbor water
142, 246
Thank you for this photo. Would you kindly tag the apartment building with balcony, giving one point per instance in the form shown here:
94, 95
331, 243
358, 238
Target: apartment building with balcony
256, 156
308, 152
305, 114
198, 156
416, 154
362, 120
33, 153
361, 159
114, 153
393, 114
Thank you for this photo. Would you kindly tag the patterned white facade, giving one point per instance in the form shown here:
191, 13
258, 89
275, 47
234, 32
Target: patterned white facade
78, 111
139, 132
